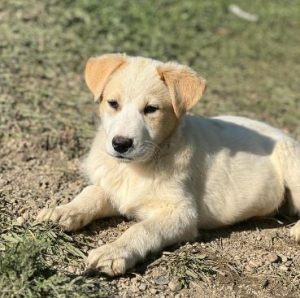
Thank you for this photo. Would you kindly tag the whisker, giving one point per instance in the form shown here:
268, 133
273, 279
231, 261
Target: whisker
152, 149
152, 144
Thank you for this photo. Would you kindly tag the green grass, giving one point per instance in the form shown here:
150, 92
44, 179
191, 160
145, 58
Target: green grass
252, 70
35, 261
27, 271
189, 267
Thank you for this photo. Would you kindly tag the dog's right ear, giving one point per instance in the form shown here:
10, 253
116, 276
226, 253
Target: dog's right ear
98, 70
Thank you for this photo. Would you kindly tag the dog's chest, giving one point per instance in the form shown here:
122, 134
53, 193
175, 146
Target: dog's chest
125, 187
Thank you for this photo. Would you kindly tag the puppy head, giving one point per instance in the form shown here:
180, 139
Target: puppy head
141, 101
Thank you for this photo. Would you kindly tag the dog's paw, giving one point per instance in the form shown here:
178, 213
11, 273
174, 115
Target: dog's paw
67, 217
295, 231
110, 259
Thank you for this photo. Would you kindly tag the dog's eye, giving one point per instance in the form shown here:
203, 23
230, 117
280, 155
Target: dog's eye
113, 103
150, 109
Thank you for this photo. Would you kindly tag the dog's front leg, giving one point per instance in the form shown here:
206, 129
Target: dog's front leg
90, 204
162, 228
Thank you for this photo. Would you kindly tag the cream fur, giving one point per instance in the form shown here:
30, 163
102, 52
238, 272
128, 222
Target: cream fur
184, 173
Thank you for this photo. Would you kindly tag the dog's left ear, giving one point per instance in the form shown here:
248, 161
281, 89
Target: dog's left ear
184, 84
98, 70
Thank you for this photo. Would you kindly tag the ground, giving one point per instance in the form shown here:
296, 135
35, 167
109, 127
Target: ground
48, 120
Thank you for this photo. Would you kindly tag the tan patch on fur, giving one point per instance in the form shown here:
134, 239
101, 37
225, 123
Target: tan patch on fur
98, 70
138, 82
185, 86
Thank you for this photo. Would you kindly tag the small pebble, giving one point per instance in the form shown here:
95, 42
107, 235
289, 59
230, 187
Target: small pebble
100, 242
71, 269
153, 291
273, 258
25, 215
174, 285
288, 263
143, 287
248, 268
162, 280
283, 268
20, 220
253, 264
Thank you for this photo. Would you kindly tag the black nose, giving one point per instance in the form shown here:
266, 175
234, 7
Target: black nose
121, 144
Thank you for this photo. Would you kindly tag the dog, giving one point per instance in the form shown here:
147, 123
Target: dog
173, 172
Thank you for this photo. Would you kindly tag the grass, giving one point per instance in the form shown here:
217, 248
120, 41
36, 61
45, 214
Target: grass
189, 267
26, 272
252, 70
35, 261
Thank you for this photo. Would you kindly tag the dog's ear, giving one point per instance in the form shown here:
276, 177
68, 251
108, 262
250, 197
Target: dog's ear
98, 70
184, 85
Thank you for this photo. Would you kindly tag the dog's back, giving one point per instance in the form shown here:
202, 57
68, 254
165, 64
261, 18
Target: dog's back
241, 168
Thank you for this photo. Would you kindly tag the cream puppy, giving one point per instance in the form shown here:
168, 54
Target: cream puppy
173, 172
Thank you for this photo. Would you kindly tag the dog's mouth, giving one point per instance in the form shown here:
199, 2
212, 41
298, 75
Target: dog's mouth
139, 156
123, 158
120, 157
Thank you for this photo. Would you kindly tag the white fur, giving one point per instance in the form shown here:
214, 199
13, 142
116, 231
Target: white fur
209, 172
